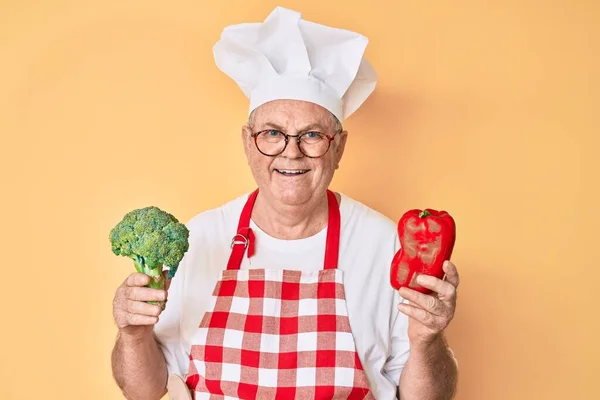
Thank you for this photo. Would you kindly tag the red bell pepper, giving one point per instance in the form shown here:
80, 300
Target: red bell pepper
426, 240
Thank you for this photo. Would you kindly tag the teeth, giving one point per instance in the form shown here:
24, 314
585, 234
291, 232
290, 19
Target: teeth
293, 172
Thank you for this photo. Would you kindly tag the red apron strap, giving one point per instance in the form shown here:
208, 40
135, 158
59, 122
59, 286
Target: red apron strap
245, 237
332, 245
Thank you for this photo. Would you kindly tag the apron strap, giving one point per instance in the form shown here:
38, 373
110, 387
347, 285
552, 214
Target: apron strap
332, 245
245, 238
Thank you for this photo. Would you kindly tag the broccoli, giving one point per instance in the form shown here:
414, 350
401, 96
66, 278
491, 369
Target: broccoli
152, 238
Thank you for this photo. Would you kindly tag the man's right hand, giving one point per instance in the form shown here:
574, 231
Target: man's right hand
131, 312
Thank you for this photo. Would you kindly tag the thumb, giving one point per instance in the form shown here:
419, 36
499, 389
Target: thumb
167, 280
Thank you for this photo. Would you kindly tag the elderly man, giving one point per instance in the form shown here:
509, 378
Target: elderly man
285, 291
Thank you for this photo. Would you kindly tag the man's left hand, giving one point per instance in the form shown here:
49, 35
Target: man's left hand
430, 314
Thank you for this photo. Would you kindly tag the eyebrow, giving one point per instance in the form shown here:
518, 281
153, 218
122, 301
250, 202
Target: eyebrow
272, 125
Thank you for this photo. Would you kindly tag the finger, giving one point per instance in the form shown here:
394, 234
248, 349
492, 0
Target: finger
137, 279
445, 290
137, 319
428, 303
424, 317
141, 308
146, 294
125, 319
451, 273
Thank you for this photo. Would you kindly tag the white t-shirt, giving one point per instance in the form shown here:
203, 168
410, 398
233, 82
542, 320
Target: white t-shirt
368, 242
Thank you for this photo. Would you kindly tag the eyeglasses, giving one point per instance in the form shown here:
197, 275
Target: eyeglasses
272, 142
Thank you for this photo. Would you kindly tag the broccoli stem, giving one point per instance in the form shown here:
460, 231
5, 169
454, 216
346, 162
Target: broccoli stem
157, 280
139, 264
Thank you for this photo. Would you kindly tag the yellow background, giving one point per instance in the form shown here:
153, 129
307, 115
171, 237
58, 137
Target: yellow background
488, 111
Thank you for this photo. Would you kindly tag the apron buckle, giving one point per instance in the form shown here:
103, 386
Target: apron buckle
244, 240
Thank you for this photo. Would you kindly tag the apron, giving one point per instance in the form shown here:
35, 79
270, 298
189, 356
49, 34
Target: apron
277, 334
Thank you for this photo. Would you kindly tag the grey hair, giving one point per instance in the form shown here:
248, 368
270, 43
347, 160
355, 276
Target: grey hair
337, 125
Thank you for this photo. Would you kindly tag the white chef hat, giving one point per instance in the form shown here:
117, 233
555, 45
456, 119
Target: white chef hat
286, 57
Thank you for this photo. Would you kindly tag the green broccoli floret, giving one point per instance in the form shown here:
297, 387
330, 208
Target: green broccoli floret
152, 238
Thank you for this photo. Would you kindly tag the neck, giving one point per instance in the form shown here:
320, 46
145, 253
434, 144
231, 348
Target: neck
290, 222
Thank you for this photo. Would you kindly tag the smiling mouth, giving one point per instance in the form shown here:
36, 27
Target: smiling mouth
292, 172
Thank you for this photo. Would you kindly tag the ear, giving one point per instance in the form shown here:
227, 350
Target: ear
339, 148
246, 140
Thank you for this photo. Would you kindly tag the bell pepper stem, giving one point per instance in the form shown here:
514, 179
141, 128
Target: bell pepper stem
424, 214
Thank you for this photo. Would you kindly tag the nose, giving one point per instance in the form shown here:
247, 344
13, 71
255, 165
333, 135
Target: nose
292, 149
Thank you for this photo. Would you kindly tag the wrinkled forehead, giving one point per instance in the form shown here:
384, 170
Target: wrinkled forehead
292, 115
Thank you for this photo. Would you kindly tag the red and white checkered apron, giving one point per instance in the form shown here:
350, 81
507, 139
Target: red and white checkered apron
277, 334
